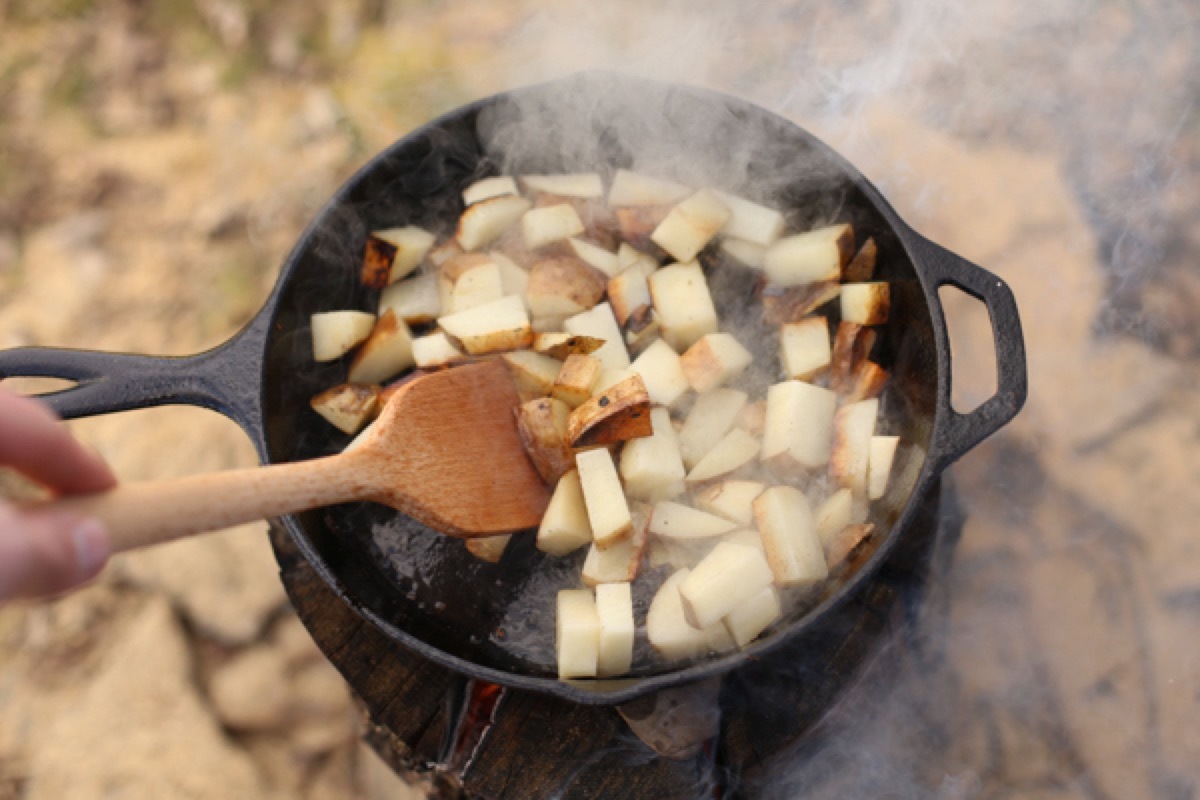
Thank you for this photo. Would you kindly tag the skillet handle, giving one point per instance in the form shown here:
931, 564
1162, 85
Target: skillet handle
226, 379
957, 433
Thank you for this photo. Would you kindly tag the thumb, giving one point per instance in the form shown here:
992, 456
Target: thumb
49, 552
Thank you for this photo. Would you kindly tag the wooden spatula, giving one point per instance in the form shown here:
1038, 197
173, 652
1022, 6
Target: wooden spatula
444, 451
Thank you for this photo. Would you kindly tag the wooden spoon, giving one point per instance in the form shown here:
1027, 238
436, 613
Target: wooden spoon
444, 451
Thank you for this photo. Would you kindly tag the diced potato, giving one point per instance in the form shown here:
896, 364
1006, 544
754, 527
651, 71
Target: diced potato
610, 378
753, 418
851, 347
734, 451
879, 469
745, 253
847, 544
393, 253
667, 627
677, 521
488, 548
728, 576
629, 257
576, 379
386, 353
652, 467
444, 252
482, 223
620, 562
798, 431
620, 413
607, 510
690, 226
712, 416
660, 368
866, 303
747, 537
714, 360
641, 329
834, 514
542, 425
628, 292
809, 257
614, 602
600, 323
637, 224
635, 189
862, 267
547, 325
781, 305
577, 634
513, 279
541, 226
563, 287
789, 537
580, 184
533, 374
733, 500
434, 350
565, 527
853, 427
476, 287
753, 616
488, 188
501, 325
561, 345
685, 307
414, 300
804, 347
335, 333
868, 381
595, 256
347, 407
678, 553
750, 222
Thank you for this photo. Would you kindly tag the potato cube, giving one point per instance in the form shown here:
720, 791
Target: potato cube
629, 257
542, 426
335, 333
851, 347
753, 616
444, 252
652, 467
866, 303
751, 222
879, 468
677, 521
862, 267
733, 500
628, 292
414, 300
867, 382
610, 378
781, 305
635, 189
487, 188
809, 257
561, 345
563, 287
637, 224
798, 430
565, 526
513, 279
602, 493
434, 350
386, 353
619, 413
614, 602
714, 360
601, 324
685, 307
577, 634
394, 253
482, 223
579, 184
642, 330
847, 545
595, 256
712, 416
745, 253
542, 226
533, 374
834, 514
620, 562
347, 407
667, 627
664, 376
690, 226
501, 325
476, 287
789, 537
804, 347
576, 380
725, 578
734, 451
853, 427
488, 548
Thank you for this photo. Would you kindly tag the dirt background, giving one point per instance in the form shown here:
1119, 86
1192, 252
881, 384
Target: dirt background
157, 161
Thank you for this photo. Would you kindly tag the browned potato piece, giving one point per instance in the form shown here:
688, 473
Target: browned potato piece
386, 353
782, 305
641, 329
868, 382
862, 267
454, 266
488, 548
851, 346
637, 223
628, 292
444, 252
377, 263
753, 418
619, 563
563, 287
619, 413
561, 345
542, 425
347, 407
577, 379
844, 546
866, 303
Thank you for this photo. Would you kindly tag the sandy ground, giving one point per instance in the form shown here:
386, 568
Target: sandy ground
156, 165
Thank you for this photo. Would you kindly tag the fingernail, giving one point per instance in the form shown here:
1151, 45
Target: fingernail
93, 546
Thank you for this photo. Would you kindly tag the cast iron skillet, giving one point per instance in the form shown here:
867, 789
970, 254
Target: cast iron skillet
424, 590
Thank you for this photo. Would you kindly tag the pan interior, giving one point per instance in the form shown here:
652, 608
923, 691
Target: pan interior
427, 586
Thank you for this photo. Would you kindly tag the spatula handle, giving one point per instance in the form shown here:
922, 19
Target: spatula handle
143, 514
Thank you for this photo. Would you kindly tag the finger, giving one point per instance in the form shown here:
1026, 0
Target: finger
46, 553
36, 443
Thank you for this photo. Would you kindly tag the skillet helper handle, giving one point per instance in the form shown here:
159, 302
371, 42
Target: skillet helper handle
957, 433
143, 514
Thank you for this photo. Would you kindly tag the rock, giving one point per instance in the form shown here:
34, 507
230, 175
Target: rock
251, 691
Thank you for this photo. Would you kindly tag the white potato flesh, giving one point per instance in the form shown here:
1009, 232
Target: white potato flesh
804, 347
415, 300
629, 257
789, 536
735, 450
609, 378
434, 350
476, 287
747, 537
576, 381
541, 226
729, 575
712, 416
879, 469
798, 430
651, 466
608, 512
636, 189
411, 243
565, 527
614, 603
733, 500
488, 188
595, 255
714, 360
806, 257
491, 328
385, 354
662, 373
577, 634
750, 222
668, 630
628, 292
335, 333
620, 562
691, 225
533, 373
547, 324
853, 427
513, 279
678, 553
347, 407
865, 303
753, 616
600, 323
677, 521
578, 184
684, 305
482, 223
746, 253
834, 515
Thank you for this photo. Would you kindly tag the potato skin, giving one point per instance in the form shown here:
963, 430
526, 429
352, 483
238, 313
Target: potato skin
377, 263
541, 426
569, 278
617, 414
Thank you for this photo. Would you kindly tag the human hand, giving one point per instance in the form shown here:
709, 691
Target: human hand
44, 553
